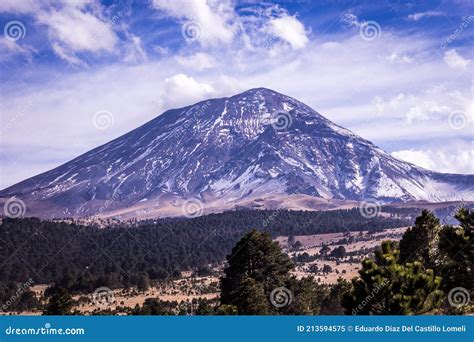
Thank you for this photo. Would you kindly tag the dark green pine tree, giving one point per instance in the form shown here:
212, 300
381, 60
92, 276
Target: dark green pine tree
339, 252
252, 299
306, 297
291, 241
155, 306
143, 283
386, 287
419, 243
456, 245
255, 267
466, 219
60, 303
331, 303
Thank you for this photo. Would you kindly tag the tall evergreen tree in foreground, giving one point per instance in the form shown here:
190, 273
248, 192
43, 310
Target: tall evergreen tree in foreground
419, 243
386, 287
256, 266
447, 249
456, 246
257, 280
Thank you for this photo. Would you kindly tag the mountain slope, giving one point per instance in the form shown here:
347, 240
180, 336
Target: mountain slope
227, 151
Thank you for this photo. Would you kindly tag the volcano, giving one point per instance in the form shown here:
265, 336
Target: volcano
258, 149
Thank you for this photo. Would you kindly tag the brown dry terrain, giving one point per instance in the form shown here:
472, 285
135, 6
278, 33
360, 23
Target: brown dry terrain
359, 245
186, 288
172, 206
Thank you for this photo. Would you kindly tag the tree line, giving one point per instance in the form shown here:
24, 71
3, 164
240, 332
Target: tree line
410, 277
83, 258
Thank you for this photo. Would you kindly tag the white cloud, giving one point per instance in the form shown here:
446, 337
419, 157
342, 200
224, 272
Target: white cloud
394, 57
290, 30
135, 52
424, 115
161, 50
427, 14
73, 26
11, 49
181, 90
66, 54
78, 30
350, 19
18, 6
425, 111
441, 160
199, 61
213, 19
455, 60
391, 104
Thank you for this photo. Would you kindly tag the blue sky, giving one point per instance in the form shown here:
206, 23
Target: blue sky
76, 74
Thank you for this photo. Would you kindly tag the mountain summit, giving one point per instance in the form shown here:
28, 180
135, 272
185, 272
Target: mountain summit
229, 152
